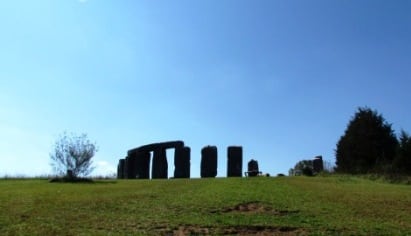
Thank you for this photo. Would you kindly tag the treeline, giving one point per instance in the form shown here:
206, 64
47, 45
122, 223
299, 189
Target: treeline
369, 145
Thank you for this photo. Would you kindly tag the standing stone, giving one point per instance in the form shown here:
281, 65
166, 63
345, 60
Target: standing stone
125, 173
142, 165
209, 162
182, 162
120, 169
253, 168
131, 166
234, 161
160, 166
318, 164
138, 162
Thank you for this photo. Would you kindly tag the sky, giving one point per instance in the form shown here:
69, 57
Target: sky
280, 78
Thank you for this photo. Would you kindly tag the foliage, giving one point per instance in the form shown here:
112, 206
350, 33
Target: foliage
334, 205
304, 167
308, 171
72, 154
368, 144
402, 162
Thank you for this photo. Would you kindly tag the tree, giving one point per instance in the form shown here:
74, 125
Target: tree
402, 162
368, 144
304, 167
72, 154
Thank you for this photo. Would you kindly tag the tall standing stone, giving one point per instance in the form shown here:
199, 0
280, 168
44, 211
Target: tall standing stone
234, 161
160, 167
137, 164
209, 162
120, 169
125, 173
142, 165
182, 162
131, 166
318, 164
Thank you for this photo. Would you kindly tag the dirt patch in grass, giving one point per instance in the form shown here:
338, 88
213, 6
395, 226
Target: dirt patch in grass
234, 230
254, 207
263, 230
189, 230
70, 180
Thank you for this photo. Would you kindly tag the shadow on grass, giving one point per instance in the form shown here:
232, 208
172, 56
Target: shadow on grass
233, 230
80, 180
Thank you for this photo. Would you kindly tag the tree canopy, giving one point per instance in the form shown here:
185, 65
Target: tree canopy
72, 154
402, 162
368, 144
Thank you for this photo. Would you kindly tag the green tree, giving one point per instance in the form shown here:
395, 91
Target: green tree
368, 144
73, 154
304, 167
402, 162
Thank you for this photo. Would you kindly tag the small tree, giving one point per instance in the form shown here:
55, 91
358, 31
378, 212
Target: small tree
304, 167
72, 154
368, 144
402, 162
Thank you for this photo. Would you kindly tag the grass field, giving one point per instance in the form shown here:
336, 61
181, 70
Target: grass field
334, 205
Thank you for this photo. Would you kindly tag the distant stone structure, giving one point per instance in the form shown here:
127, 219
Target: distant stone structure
142, 164
253, 168
131, 164
137, 163
234, 161
159, 169
209, 162
120, 169
182, 162
318, 164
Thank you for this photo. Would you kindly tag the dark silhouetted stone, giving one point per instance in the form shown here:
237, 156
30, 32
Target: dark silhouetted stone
182, 162
131, 166
142, 165
234, 161
125, 173
137, 164
253, 168
318, 164
120, 169
156, 146
209, 162
160, 167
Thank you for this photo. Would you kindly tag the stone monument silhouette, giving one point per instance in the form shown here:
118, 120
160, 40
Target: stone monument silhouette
318, 164
209, 162
234, 161
137, 163
253, 169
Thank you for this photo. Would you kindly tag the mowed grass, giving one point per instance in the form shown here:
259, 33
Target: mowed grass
264, 206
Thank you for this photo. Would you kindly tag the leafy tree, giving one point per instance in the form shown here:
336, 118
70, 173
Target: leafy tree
304, 167
72, 154
368, 144
402, 162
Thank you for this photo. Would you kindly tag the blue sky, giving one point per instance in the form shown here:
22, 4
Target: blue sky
281, 78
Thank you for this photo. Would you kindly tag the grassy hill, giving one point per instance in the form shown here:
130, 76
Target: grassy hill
229, 206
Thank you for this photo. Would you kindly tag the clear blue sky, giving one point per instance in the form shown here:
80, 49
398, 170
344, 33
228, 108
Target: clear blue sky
281, 78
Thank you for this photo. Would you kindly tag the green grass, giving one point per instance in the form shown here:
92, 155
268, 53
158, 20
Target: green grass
341, 205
